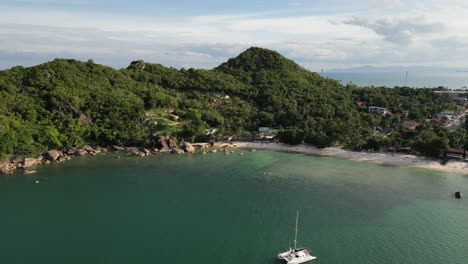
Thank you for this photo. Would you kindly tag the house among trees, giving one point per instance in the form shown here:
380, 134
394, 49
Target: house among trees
378, 110
455, 153
267, 133
408, 125
449, 115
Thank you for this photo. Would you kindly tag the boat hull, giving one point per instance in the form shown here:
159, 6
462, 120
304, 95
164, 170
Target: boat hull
290, 257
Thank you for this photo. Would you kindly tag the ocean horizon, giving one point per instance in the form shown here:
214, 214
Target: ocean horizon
451, 80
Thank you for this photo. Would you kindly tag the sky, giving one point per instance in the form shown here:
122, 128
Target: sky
317, 34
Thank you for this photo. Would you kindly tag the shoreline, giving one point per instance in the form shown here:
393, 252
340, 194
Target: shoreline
383, 158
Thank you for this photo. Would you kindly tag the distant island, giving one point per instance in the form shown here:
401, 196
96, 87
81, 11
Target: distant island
259, 95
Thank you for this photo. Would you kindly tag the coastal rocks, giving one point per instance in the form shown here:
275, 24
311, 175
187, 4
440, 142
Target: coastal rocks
187, 147
139, 152
214, 151
162, 143
155, 151
7, 168
52, 155
171, 143
88, 148
458, 195
29, 162
80, 152
177, 151
117, 148
70, 151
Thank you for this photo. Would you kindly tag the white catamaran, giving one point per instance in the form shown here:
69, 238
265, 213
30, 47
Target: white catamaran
296, 255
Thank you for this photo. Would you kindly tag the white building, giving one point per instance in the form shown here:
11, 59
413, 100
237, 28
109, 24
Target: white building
378, 110
448, 115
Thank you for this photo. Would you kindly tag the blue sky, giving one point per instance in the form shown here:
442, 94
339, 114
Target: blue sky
317, 34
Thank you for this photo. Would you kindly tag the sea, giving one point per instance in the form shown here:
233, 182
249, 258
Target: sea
451, 80
218, 208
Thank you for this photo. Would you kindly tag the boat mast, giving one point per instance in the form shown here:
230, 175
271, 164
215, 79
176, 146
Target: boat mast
295, 236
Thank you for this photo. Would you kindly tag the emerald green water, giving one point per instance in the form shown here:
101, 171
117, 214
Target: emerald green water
228, 209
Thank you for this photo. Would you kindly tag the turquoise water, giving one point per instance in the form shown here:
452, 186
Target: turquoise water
231, 209
453, 80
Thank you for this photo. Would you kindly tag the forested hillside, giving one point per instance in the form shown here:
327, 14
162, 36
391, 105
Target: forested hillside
68, 103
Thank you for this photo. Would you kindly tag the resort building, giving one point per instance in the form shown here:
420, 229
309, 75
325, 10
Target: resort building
378, 110
267, 133
409, 125
455, 153
449, 115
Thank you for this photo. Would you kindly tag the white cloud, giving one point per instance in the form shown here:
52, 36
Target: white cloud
418, 35
399, 30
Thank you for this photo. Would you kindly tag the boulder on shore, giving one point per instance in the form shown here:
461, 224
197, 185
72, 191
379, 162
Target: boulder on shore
70, 151
6, 168
145, 151
80, 152
171, 143
458, 195
177, 151
187, 147
29, 162
52, 155
162, 143
88, 148
118, 148
134, 151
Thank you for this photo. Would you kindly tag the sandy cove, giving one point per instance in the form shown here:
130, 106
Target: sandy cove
394, 159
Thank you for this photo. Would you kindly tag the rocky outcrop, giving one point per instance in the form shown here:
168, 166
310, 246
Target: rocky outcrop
84, 119
70, 151
171, 143
162, 143
80, 152
29, 162
187, 147
88, 148
155, 151
136, 151
177, 151
6, 168
118, 148
52, 155
145, 151
138, 64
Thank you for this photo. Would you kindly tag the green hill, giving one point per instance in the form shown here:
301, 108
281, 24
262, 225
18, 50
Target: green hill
68, 103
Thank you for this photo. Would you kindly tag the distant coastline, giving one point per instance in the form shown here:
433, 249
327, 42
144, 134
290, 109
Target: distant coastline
384, 158
451, 80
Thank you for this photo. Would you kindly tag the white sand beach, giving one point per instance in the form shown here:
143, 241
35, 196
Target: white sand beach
395, 159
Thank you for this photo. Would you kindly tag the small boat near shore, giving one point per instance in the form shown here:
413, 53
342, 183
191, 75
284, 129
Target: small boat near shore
296, 255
